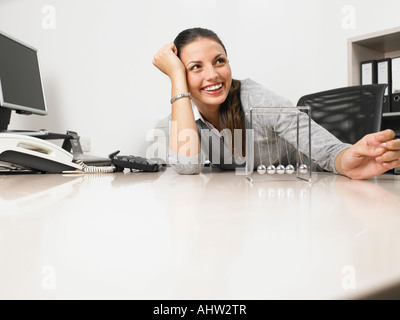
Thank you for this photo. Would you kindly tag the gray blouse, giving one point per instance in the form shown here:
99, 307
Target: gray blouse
275, 137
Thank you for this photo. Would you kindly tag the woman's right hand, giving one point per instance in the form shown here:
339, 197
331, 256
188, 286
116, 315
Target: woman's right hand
167, 61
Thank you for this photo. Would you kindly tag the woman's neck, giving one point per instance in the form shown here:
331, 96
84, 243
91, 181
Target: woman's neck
213, 118
211, 114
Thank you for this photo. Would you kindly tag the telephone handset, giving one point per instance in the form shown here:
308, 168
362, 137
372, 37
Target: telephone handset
34, 153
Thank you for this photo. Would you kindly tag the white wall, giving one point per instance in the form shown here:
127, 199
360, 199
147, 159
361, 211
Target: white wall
97, 61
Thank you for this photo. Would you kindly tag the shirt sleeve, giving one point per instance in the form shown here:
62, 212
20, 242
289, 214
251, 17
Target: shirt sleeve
181, 164
185, 165
324, 146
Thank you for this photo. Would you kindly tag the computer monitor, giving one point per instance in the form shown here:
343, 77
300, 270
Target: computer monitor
21, 87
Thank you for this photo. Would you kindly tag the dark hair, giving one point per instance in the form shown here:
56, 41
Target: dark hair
189, 35
231, 114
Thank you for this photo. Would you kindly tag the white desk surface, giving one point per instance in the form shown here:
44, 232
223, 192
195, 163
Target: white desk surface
210, 236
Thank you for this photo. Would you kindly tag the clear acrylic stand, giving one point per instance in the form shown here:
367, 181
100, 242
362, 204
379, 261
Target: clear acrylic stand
278, 121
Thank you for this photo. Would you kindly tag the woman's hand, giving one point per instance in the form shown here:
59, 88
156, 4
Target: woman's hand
373, 155
182, 118
167, 61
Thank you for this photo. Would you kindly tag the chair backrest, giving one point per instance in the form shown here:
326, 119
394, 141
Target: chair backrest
349, 113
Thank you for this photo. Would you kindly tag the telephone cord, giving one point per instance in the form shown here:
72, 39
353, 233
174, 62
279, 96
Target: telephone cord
94, 169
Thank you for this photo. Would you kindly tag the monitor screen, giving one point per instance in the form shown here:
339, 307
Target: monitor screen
20, 81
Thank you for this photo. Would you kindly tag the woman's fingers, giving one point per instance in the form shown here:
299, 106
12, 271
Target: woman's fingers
376, 139
363, 150
167, 61
392, 145
389, 156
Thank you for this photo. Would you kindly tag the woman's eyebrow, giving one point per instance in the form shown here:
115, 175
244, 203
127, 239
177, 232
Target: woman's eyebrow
193, 62
216, 57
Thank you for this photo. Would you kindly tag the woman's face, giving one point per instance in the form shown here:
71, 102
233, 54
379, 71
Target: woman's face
209, 75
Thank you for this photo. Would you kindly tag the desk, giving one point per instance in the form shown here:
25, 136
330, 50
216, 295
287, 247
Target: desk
211, 236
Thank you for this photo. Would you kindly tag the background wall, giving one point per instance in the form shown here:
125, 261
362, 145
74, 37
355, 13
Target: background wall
96, 55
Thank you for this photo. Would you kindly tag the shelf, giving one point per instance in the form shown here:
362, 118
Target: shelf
373, 46
391, 115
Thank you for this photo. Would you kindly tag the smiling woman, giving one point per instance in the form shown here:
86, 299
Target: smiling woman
209, 78
208, 122
197, 62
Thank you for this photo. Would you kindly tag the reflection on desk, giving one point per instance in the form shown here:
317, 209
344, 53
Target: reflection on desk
137, 235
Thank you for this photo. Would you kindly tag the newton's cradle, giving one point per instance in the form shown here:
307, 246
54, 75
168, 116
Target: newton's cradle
292, 122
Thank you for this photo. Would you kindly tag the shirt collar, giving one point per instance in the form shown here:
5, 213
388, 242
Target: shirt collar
196, 112
198, 116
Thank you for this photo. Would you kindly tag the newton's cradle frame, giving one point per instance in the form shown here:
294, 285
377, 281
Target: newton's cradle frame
302, 167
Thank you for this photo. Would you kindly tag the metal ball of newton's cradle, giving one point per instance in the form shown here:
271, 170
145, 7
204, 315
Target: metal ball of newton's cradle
280, 169
303, 168
271, 169
289, 169
261, 169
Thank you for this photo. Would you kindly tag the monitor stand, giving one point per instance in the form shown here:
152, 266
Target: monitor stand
5, 115
27, 132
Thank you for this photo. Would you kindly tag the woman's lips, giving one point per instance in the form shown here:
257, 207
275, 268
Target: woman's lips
213, 89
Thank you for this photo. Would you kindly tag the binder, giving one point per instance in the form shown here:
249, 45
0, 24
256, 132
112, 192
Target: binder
384, 75
368, 72
395, 107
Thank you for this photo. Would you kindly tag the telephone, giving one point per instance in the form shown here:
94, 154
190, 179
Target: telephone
34, 153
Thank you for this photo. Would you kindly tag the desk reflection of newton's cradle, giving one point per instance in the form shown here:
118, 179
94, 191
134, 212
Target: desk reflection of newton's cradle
288, 118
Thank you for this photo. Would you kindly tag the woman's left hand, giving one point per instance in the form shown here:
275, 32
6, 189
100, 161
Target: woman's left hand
371, 156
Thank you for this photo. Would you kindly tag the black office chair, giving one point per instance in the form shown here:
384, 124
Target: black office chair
349, 113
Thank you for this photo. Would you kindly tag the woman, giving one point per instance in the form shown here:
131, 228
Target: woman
206, 102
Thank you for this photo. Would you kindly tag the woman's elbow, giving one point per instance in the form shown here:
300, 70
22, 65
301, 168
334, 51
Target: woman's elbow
187, 169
